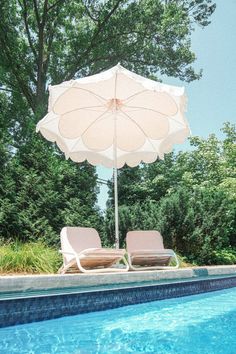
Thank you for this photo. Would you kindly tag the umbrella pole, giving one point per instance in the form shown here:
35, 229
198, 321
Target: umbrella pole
115, 171
116, 209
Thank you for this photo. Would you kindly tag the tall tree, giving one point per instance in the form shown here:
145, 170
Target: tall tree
48, 41
211, 162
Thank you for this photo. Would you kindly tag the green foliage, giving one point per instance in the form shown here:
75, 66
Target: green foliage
38, 199
189, 197
197, 223
136, 217
46, 42
49, 41
32, 257
40, 192
224, 256
183, 262
210, 163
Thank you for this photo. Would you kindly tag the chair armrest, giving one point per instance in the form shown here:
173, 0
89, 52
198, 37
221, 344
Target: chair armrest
69, 253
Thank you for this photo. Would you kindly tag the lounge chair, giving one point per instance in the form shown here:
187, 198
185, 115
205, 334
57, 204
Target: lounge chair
81, 250
146, 251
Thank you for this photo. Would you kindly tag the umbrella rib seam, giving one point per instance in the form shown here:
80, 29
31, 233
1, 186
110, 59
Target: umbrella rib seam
141, 130
81, 135
153, 110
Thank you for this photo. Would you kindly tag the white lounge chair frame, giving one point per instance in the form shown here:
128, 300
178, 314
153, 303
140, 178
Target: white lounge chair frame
81, 247
147, 247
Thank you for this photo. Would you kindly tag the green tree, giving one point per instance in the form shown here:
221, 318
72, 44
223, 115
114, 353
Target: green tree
48, 41
190, 197
209, 163
37, 205
40, 192
138, 216
198, 222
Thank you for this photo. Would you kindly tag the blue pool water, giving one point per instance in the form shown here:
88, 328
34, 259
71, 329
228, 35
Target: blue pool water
198, 324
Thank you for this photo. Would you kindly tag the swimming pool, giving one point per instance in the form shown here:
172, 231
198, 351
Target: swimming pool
197, 324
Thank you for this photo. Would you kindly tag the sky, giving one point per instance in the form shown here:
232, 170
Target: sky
212, 99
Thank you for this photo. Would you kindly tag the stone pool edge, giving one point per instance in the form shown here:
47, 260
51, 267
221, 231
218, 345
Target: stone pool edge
24, 283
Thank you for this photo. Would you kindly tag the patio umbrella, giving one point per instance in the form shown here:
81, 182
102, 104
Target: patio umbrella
115, 118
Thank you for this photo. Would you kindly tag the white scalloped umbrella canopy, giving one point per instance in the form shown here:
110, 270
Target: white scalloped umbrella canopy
115, 117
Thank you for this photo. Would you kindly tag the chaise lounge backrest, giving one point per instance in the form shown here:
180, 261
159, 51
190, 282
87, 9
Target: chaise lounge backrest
77, 239
144, 240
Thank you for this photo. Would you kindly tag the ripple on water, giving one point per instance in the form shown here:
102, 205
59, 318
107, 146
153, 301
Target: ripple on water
198, 324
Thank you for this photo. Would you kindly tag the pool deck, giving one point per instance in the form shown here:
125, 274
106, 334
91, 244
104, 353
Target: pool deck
13, 283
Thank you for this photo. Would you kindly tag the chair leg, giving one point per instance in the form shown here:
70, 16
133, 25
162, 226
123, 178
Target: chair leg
132, 267
102, 270
64, 267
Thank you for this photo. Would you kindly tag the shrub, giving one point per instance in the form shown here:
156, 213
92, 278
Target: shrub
224, 256
196, 223
33, 257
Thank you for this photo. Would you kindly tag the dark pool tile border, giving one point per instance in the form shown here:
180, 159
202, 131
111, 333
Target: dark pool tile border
26, 310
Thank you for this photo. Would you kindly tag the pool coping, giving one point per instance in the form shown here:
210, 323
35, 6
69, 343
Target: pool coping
18, 283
